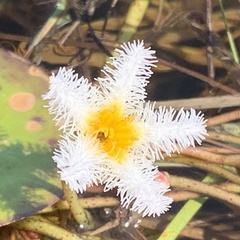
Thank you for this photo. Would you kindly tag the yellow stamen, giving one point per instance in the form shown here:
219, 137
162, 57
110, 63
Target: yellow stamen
116, 132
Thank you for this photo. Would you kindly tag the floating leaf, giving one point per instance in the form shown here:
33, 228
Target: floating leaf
29, 180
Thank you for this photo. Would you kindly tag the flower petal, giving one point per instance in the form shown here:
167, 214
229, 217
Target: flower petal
70, 97
128, 76
138, 188
170, 131
80, 162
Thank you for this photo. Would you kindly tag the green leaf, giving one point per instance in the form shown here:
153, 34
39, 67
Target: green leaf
28, 178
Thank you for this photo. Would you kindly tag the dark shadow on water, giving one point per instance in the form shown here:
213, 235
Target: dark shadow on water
29, 181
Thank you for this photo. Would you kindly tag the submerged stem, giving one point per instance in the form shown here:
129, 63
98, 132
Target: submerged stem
207, 166
231, 160
89, 202
43, 226
223, 118
200, 187
79, 213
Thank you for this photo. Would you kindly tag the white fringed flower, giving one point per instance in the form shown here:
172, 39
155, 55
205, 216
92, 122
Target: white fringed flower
80, 156
112, 136
137, 186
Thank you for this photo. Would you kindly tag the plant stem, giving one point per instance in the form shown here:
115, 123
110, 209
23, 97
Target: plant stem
90, 202
210, 64
223, 118
133, 19
231, 160
79, 213
230, 38
186, 195
186, 213
223, 137
202, 102
200, 187
203, 78
43, 226
207, 166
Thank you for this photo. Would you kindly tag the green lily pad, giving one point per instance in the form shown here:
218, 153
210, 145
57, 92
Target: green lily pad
28, 178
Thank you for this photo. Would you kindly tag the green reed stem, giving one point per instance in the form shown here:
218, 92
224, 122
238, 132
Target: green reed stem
230, 37
186, 213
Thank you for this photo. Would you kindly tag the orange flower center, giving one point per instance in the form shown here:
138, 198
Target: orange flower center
116, 132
